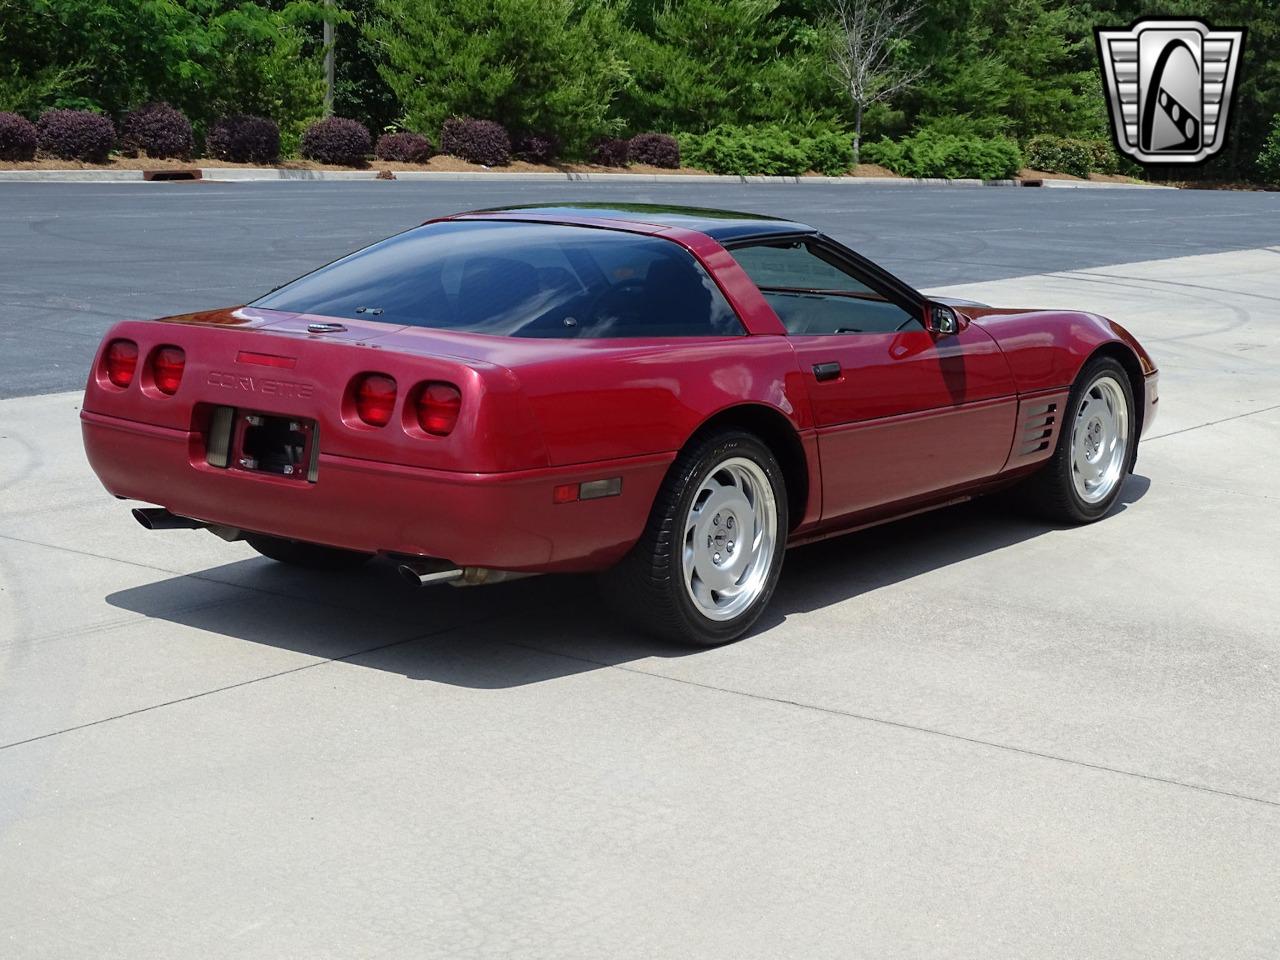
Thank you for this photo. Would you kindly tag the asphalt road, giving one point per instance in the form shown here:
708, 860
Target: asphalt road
76, 257
966, 734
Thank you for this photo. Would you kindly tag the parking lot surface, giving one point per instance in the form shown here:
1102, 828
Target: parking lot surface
79, 256
962, 735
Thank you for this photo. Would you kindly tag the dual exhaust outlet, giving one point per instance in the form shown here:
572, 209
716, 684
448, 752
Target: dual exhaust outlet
420, 571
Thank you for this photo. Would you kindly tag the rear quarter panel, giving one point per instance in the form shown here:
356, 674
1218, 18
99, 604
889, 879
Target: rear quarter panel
601, 401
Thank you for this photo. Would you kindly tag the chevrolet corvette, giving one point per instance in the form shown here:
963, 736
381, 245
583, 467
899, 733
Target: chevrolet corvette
668, 397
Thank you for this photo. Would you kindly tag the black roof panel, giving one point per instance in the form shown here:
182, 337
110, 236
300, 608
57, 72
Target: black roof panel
720, 225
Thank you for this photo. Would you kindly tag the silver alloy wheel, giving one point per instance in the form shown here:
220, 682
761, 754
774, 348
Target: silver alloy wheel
729, 538
1100, 439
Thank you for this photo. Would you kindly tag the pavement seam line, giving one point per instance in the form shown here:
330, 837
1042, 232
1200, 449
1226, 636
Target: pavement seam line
1211, 423
252, 680
915, 728
179, 574
1096, 272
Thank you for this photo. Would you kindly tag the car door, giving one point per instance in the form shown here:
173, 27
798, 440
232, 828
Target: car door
900, 412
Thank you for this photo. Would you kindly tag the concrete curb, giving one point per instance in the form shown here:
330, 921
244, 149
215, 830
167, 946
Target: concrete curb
73, 176
1095, 185
258, 174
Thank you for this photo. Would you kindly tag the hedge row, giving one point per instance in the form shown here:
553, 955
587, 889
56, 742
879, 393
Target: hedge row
1076, 157
160, 131
156, 129
948, 156
483, 142
768, 149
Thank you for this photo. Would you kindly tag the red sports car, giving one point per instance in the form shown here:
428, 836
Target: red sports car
667, 396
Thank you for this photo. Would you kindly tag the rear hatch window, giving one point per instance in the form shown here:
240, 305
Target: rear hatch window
518, 280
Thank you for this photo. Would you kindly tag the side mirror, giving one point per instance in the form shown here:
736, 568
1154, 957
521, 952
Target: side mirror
942, 320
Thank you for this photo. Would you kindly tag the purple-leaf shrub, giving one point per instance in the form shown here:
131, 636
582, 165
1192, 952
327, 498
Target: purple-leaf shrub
336, 140
18, 137
244, 139
536, 147
655, 149
76, 135
158, 130
610, 152
477, 141
403, 147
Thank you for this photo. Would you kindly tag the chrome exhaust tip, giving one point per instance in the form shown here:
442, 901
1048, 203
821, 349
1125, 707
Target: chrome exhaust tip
422, 573
158, 518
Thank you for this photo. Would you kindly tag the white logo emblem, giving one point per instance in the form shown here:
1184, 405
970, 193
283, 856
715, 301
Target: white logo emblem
1169, 85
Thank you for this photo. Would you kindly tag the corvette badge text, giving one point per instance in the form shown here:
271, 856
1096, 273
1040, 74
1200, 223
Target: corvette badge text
1169, 85
268, 387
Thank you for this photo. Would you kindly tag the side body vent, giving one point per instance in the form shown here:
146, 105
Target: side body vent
1037, 427
1039, 420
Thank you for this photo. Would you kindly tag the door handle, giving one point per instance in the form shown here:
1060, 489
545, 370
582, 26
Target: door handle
826, 371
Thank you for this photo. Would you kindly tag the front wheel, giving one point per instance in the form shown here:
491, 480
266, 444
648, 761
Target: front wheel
1095, 452
709, 559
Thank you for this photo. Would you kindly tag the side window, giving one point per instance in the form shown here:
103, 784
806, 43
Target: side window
814, 296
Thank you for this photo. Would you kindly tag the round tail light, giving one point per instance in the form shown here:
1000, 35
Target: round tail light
167, 365
120, 361
375, 396
438, 405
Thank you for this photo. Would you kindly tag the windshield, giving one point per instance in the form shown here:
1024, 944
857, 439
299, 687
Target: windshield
519, 280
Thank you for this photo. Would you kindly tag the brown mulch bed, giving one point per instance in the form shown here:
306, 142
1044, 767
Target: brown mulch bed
1026, 173
443, 164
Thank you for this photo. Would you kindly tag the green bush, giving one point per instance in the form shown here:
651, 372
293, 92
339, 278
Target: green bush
768, 150
1076, 157
830, 152
947, 156
1269, 158
1066, 155
1044, 152
1103, 157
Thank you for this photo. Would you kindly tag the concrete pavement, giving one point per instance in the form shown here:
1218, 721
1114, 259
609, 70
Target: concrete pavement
963, 735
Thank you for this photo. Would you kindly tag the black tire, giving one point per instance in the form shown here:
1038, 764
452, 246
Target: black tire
299, 553
1051, 492
647, 587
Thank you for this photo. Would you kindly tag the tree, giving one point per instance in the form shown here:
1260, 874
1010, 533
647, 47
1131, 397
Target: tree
700, 63
868, 38
206, 57
549, 66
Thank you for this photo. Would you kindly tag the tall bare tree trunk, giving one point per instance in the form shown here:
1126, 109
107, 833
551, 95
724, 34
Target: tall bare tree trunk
857, 134
330, 6
865, 40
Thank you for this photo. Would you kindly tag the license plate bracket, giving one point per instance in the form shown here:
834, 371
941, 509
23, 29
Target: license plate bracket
276, 445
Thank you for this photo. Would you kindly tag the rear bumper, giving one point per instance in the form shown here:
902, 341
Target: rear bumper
505, 521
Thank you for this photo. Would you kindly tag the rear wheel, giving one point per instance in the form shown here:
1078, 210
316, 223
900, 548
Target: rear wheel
1095, 452
299, 553
709, 559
